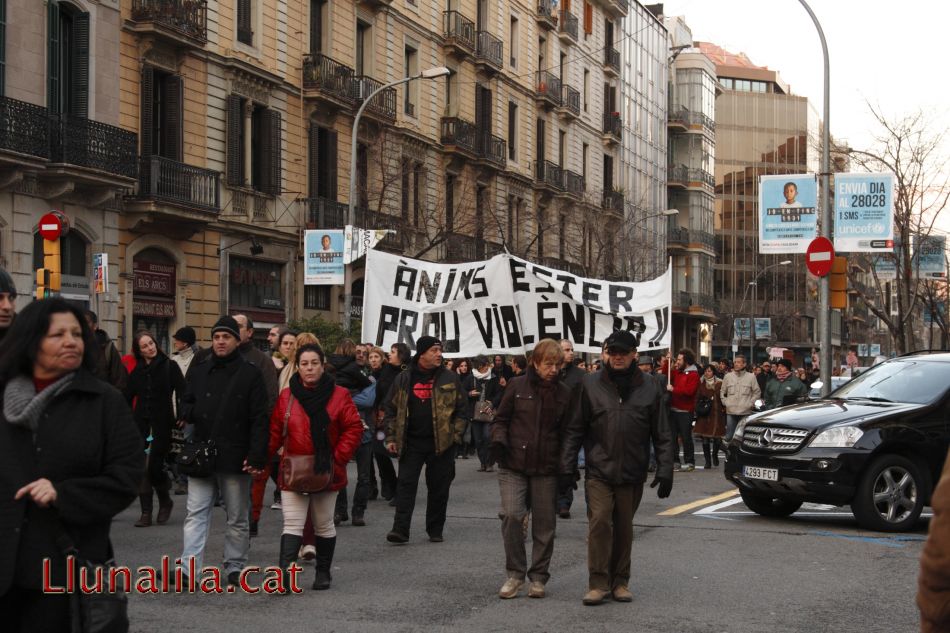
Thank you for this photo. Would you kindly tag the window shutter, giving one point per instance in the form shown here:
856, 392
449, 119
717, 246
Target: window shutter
79, 60
313, 161
331, 171
588, 18
244, 32
174, 117
235, 163
53, 100
147, 122
270, 148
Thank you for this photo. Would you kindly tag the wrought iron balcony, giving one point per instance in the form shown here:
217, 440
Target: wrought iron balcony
459, 248
492, 148
686, 119
329, 78
568, 27
574, 183
164, 180
570, 102
460, 134
677, 236
684, 176
613, 126
397, 241
618, 7
323, 213
91, 144
383, 104
489, 51
173, 18
24, 128
459, 32
613, 201
612, 59
547, 14
548, 174
549, 88
685, 301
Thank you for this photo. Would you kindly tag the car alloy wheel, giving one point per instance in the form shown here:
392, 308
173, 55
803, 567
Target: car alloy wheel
895, 494
891, 494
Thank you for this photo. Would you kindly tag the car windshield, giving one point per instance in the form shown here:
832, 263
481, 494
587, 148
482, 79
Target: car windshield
911, 381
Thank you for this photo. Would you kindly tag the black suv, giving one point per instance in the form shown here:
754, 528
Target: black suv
877, 443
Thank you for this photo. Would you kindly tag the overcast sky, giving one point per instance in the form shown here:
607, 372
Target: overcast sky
892, 54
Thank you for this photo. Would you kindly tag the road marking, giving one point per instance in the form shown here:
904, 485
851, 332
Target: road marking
698, 503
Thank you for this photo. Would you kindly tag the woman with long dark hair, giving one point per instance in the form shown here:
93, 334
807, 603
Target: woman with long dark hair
153, 385
321, 421
70, 460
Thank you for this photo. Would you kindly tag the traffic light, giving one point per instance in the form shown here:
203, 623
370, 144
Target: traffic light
49, 278
838, 283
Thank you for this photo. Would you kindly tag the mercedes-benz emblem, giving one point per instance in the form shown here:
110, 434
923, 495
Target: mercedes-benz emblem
766, 438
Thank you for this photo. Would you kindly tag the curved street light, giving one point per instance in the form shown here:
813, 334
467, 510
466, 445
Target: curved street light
428, 73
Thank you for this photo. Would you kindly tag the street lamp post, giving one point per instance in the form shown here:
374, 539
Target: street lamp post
429, 73
754, 284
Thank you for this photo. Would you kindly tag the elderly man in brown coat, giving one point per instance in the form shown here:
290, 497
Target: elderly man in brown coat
933, 586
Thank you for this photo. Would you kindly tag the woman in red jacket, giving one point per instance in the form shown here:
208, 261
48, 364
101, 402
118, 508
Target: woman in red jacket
322, 421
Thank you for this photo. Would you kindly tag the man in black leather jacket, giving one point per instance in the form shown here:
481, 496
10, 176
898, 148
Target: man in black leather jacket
617, 412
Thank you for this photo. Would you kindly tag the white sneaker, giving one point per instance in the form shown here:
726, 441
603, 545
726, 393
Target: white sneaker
689, 467
307, 552
511, 588
277, 505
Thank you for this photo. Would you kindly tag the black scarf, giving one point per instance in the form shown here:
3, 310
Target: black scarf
314, 402
623, 379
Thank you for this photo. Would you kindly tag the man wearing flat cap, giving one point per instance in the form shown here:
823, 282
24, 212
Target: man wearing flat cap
226, 402
616, 440
785, 388
424, 420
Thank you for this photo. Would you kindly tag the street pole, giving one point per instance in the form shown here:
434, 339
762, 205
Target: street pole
430, 73
824, 306
755, 295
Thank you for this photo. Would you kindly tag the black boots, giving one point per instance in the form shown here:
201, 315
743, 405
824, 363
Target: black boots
717, 446
707, 464
146, 502
165, 504
289, 546
325, 547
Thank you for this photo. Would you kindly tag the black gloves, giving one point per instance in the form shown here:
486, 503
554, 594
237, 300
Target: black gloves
665, 484
496, 453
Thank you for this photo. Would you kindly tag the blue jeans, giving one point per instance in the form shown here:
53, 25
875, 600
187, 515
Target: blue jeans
202, 492
732, 421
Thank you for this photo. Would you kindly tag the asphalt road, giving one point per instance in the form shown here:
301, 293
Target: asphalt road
710, 568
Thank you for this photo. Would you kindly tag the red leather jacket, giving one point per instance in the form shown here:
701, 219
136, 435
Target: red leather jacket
345, 431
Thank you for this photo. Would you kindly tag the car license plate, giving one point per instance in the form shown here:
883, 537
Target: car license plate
754, 472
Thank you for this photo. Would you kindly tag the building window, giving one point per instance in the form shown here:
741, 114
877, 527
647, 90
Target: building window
72, 251
452, 93
411, 90
588, 18
512, 130
244, 33
364, 50
161, 114
67, 61
584, 148
586, 88
418, 188
316, 297
449, 203
3, 46
254, 284
259, 169
406, 179
322, 152
319, 14
513, 42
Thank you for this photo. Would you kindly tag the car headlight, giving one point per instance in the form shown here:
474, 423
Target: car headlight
839, 437
740, 429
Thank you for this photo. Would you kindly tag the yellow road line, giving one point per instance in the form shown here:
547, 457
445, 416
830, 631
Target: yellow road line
698, 503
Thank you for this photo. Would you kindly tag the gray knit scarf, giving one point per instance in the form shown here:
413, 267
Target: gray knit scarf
23, 406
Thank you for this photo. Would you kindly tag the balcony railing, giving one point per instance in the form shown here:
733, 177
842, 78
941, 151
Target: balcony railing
571, 101
574, 183
460, 133
622, 5
677, 235
548, 173
88, 143
24, 128
612, 58
683, 236
323, 213
328, 76
383, 104
613, 201
568, 25
492, 148
459, 248
684, 300
683, 175
613, 125
549, 87
547, 13
188, 17
166, 180
687, 118
459, 30
490, 49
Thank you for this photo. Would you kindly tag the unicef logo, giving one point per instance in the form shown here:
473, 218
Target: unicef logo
877, 228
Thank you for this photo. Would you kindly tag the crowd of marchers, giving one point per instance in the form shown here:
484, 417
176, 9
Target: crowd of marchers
85, 429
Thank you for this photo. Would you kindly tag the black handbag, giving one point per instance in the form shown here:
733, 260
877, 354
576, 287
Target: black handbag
102, 611
197, 457
704, 406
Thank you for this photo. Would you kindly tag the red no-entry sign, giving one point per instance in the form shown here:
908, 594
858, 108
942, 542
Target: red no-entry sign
51, 227
819, 256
